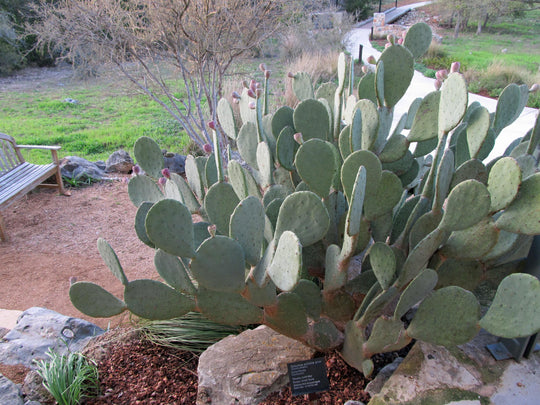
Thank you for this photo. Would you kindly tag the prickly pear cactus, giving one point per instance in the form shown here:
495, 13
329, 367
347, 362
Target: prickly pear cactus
341, 222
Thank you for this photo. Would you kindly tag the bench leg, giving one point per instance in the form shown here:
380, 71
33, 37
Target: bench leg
3, 236
59, 181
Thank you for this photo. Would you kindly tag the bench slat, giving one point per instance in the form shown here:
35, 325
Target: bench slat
8, 157
23, 179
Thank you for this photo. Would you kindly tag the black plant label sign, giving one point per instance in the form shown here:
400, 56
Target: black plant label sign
308, 376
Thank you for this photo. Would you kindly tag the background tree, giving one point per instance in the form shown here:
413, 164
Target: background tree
202, 38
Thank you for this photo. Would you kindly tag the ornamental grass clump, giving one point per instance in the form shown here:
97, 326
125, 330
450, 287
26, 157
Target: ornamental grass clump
338, 222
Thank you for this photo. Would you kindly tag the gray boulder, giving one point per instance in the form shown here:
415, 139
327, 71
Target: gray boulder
245, 369
77, 168
9, 392
39, 329
119, 162
174, 162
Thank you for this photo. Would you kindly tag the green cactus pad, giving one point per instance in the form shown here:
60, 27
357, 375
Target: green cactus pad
383, 263
355, 130
535, 136
143, 188
302, 87
273, 192
334, 276
210, 171
282, 118
362, 283
148, 155
511, 102
366, 87
200, 233
426, 224
194, 177
227, 308
311, 119
402, 217
505, 244
172, 191
477, 130
286, 148
242, 181
354, 214
111, 260
473, 242
283, 176
169, 227
326, 91
324, 335
247, 142
416, 291
349, 171
353, 345
219, 204
173, 271
259, 274
453, 102
247, 227
503, 182
140, 219
418, 39
287, 263
466, 274
388, 335
200, 162
272, 211
388, 194
395, 149
265, 164
310, 294
522, 214
447, 317
467, 204
397, 72
316, 166
378, 305
247, 114
515, 311
400, 166
287, 316
344, 142
443, 179
260, 296
94, 301
304, 214
338, 306
220, 265
188, 198
151, 299
470, 170
424, 147
370, 123
226, 118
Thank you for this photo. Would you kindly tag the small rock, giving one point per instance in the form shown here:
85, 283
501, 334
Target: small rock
375, 385
119, 162
174, 162
70, 100
33, 389
9, 392
101, 164
351, 402
74, 167
259, 367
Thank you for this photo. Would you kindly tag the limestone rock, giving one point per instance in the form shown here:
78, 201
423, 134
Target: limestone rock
244, 369
39, 329
9, 392
375, 385
33, 389
119, 162
75, 167
174, 162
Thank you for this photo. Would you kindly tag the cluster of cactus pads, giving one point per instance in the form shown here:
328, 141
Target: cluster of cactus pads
336, 224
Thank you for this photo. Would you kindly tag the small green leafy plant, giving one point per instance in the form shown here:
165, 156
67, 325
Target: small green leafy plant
69, 378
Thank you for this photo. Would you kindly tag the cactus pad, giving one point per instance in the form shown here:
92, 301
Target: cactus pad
93, 300
416, 291
287, 316
141, 189
247, 227
173, 271
148, 156
287, 263
388, 335
111, 260
311, 119
219, 204
467, 204
227, 308
503, 182
316, 166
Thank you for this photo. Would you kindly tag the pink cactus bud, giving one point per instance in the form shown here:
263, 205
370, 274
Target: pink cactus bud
455, 67
299, 138
290, 75
267, 74
441, 74
162, 181
72, 280
211, 125
207, 148
253, 85
212, 230
251, 93
136, 170
262, 67
387, 45
365, 69
258, 93
535, 87
166, 173
235, 95
245, 84
437, 84
391, 38
371, 59
251, 105
400, 41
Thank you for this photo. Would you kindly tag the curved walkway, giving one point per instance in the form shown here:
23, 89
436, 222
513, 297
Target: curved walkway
421, 85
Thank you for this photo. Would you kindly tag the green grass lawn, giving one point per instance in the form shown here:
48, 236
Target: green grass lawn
105, 118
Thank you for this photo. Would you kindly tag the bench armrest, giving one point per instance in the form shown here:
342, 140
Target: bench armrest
44, 147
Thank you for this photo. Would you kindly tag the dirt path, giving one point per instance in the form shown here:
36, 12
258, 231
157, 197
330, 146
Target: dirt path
53, 238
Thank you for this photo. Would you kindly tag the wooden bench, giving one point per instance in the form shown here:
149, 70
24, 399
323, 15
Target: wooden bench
18, 177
